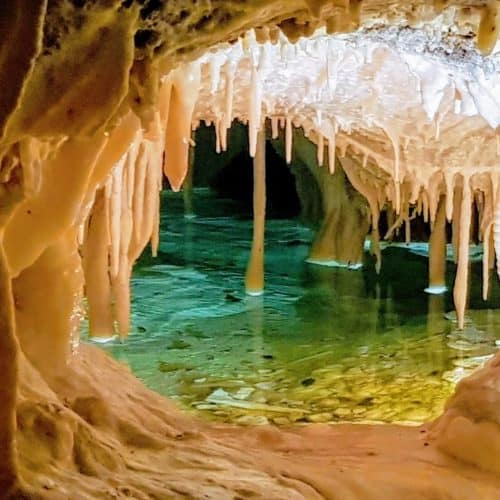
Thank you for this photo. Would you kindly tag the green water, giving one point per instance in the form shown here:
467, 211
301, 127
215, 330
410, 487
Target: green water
322, 344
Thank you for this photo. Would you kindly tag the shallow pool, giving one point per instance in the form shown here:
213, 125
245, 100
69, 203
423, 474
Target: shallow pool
322, 344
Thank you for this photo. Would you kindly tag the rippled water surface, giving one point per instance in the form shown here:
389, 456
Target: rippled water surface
322, 344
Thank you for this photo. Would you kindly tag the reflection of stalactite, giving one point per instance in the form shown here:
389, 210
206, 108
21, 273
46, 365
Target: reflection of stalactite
187, 187
436, 324
254, 309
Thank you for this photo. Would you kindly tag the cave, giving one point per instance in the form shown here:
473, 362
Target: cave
249, 249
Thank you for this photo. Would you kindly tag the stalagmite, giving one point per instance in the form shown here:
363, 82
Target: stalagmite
437, 252
461, 281
254, 279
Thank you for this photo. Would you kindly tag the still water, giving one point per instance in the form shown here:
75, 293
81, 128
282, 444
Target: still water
322, 344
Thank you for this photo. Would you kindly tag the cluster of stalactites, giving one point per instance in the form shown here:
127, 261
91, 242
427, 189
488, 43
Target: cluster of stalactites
387, 178
123, 215
346, 16
471, 203
123, 218
466, 194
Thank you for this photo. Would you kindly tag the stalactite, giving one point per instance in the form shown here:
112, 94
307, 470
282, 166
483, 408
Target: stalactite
370, 194
487, 250
254, 279
157, 186
116, 215
288, 139
96, 268
496, 228
461, 281
254, 110
331, 153
449, 180
320, 150
218, 147
228, 109
67, 186
139, 189
274, 127
222, 133
457, 221
437, 251
120, 283
185, 88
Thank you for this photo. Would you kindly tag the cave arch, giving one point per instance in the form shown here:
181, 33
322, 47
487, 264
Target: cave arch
84, 85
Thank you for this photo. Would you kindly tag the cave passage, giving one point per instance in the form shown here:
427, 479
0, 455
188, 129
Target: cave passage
323, 344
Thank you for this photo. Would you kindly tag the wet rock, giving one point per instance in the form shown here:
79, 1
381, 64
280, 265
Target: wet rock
252, 420
166, 367
243, 393
179, 344
281, 421
229, 297
342, 412
319, 417
308, 381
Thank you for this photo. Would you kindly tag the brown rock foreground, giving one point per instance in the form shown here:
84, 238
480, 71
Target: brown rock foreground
80, 438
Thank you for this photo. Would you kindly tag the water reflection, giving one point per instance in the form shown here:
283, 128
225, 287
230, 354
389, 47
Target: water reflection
322, 345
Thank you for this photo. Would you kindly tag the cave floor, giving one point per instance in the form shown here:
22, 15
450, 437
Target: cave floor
121, 440
322, 345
